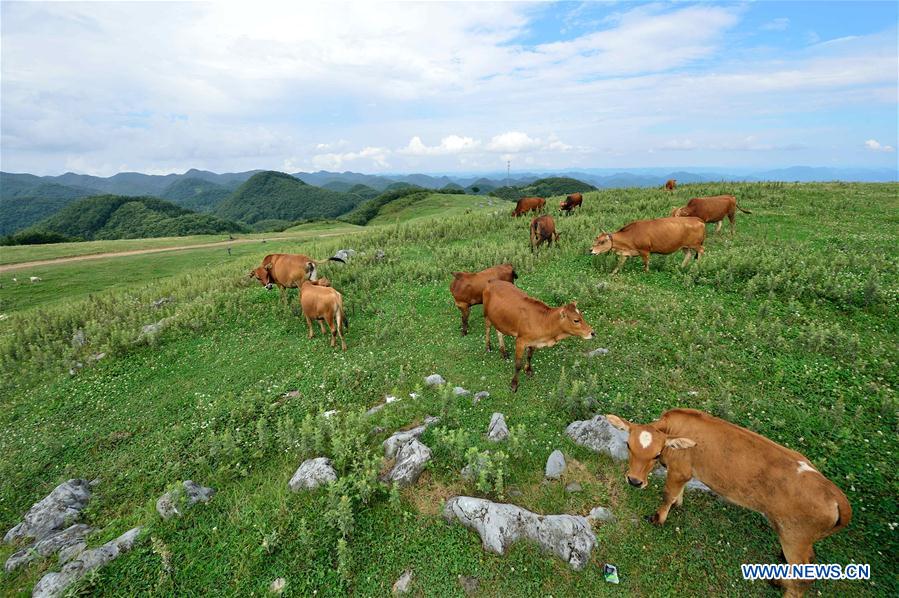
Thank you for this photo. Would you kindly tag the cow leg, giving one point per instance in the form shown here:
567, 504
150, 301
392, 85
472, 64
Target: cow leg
309, 325
501, 340
487, 327
519, 361
731, 217
529, 370
718, 226
674, 494
621, 260
465, 309
321, 325
645, 256
687, 257
339, 327
333, 329
798, 550
699, 250
283, 291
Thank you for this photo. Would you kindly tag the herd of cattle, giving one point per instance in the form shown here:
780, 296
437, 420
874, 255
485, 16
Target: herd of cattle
747, 469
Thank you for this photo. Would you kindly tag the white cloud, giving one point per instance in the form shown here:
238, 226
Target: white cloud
452, 144
366, 157
779, 24
875, 146
513, 142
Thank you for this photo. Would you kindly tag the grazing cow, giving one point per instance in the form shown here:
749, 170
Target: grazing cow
287, 270
572, 201
661, 235
468, 287
670, 184
543, 230
528, 204
743, 467
712, 209
322, 303
533, 323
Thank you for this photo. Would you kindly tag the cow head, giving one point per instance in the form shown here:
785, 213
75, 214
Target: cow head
679, 212
645, 445
263, 274
311, 271
573, 322
602, 244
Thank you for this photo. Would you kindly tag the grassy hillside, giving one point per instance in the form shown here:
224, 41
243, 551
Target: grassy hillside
196, 194
21, 205
118, 217
278, 196
440, 205
789, 329
543, 188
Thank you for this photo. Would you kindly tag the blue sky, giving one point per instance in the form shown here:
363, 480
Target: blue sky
446, 87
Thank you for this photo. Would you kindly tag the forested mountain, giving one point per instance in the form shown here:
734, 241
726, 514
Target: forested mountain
122, 217
274, 195
23, 205
196, 194
544, 188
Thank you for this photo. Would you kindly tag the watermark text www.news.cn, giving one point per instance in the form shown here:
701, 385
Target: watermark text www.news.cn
805, 571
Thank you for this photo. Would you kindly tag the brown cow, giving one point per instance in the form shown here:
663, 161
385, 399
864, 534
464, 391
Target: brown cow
287, 270
528, 204
670, 184
661, 235
533, 323
468, 287
743, 467
543, 230
712, 209
572, 201
322, 303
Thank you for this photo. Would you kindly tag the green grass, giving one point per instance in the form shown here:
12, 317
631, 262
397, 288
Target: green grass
790, 329
435, 205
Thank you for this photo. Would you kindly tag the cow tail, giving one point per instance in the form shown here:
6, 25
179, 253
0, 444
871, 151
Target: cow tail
844, 512
741, 209
340, 315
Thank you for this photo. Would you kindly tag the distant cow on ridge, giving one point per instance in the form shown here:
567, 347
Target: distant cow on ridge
661, 235
670, 184
712, 209
528, 204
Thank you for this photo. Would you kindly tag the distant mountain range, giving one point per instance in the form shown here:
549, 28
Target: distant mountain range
261, 198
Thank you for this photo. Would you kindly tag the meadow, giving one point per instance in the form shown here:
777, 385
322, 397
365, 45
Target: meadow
790, 328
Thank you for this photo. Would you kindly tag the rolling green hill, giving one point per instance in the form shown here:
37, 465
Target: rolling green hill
543, 188
196, 194
23, 205
273, 195
440, 205
119, 217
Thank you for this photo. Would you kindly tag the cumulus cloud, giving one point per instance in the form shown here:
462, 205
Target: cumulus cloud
366, 157
875, 146
452, 144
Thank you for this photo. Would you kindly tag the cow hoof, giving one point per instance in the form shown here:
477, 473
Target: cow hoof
653, 519
514, 386
529, 373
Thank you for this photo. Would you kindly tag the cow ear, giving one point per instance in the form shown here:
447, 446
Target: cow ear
680, 443
618, 422
269, 266
562, 314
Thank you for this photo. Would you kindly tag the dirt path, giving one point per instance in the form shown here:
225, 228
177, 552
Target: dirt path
98, 256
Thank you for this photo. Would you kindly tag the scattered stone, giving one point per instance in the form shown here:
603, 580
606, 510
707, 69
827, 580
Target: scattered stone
54, 584
50, 545
413, 395
329, 414
471, 472
497, 430
483, 394
569, 537
692, 393
598, 352
344, 254
375, 409
398, 439
514, 492
470, 585
573, 488
277, 586
291, 394
404, 583
379, 255
599, 435
390, 399
97, 357
435, 380
555, 465
411, 460
75, 368
160, 302
68, 553
601, 514
55, 512
692, 483
78, 339
151, 330
312, 473
171, 503
460, 392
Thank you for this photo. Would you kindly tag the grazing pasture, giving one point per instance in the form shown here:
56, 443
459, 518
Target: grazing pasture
789, 329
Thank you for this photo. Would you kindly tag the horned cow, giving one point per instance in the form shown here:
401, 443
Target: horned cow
743, 467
